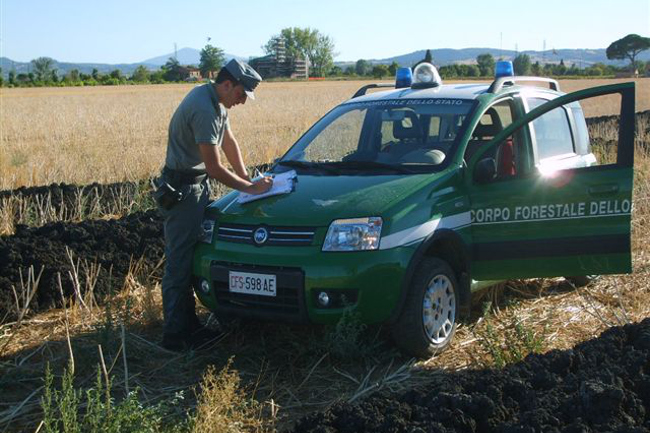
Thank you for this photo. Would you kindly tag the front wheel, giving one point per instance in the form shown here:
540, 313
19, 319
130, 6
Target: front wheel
427, 322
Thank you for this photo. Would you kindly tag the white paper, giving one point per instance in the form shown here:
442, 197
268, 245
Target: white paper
282, 184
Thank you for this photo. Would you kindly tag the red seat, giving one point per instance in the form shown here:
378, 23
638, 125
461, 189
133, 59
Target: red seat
506, 159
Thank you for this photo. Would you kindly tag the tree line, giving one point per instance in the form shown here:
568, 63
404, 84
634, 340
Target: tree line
318, 49
44, 73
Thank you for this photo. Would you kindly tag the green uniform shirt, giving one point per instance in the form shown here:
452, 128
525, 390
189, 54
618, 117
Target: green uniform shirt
200, 118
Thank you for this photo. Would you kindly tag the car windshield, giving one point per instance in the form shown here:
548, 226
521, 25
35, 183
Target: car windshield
386, 135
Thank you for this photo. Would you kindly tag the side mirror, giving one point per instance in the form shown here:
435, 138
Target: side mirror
485, 170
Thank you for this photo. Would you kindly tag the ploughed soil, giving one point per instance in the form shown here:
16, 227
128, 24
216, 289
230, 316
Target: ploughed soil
105, 248
601, 385
68, 195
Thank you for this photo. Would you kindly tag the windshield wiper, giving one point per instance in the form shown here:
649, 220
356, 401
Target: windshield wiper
309, 165
358, 165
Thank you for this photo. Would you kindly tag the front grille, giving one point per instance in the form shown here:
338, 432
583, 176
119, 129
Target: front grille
277, 235
288, 302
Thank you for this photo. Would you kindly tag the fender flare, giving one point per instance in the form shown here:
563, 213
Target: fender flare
461, 265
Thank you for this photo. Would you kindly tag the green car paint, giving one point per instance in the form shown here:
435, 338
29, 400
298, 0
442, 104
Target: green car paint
573, 220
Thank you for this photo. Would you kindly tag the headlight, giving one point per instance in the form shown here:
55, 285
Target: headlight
207, 229
358, 234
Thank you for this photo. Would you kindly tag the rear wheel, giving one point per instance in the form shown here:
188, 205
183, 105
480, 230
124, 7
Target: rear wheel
427, 322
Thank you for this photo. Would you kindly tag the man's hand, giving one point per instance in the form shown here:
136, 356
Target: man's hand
260, 186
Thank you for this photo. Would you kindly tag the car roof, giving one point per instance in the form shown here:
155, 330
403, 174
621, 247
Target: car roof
446, 91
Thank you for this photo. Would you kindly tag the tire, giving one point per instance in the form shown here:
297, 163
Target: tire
581, 280
427, 323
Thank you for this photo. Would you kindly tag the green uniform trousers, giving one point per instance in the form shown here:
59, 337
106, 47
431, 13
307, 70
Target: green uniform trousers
182, 225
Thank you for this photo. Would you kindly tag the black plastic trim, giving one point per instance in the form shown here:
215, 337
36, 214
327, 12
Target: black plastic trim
551, 247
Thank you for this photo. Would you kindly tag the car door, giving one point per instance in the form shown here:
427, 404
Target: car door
544, 222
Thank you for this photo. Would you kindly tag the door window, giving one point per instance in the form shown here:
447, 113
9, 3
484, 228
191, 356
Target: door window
507, 155
552, 131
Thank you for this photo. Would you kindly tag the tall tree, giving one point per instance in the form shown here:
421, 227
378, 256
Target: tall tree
295, 41
43, 68
141, 74
628, 47
521, 64
172, 70
362, 67
321, 56
73, 75
211, 60
379, 71
485, 64
392, 68
307, 43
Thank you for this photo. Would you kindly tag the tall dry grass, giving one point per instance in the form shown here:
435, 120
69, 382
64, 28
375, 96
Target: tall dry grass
106, 134
111, 134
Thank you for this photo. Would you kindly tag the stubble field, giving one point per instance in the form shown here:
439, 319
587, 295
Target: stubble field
113, 134
96, 250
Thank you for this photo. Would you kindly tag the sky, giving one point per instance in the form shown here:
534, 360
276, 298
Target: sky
130, 31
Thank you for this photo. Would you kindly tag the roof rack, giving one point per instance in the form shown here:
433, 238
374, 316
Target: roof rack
502, 81
362, 91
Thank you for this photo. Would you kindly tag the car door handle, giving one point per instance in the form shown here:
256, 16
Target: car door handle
603, 189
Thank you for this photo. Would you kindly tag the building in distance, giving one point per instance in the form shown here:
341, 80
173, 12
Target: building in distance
279, 64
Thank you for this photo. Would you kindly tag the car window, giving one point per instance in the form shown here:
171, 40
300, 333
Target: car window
552, 131
582, 133
417, 133
338, 139
507, 154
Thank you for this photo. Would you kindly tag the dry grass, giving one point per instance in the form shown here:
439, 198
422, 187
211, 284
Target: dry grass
118, 133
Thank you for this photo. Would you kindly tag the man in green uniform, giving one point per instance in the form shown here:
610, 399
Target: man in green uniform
196, 131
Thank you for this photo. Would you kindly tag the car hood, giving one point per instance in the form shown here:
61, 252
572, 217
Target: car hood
317, 200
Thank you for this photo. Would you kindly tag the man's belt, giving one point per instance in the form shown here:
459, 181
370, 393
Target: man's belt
183, 177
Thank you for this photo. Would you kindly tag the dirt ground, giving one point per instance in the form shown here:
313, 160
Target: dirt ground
108, 246
601, 385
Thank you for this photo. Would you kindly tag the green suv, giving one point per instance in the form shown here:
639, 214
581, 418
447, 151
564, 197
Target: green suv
397, 205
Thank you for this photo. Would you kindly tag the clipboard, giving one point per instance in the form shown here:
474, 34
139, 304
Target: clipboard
283, 183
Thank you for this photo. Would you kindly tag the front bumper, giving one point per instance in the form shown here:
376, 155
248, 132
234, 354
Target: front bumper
368, 283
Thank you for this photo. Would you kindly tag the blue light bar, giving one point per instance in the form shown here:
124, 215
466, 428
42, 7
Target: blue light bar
504, 68
403, 78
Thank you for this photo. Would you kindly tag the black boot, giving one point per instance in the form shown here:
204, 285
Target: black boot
175, 342
201, 337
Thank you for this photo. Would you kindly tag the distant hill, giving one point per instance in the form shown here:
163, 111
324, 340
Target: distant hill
446, 56
64, 67
441, 57
186, 56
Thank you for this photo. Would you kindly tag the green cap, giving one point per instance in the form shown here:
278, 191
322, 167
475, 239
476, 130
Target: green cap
245, 74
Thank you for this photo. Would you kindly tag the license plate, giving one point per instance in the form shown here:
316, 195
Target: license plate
252, 284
